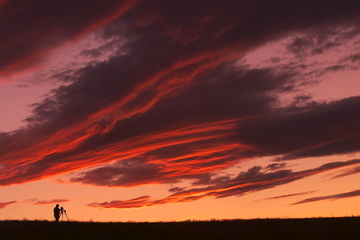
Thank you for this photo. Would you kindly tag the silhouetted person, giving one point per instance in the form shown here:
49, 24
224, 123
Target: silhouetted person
57, 213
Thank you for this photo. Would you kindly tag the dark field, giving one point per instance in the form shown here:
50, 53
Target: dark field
267, 229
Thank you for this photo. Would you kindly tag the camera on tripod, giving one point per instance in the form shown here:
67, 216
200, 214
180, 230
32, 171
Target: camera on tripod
62, 212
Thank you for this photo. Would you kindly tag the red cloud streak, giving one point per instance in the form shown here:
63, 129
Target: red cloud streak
132, 203
129, 148
43, 202
4, 204
242, 184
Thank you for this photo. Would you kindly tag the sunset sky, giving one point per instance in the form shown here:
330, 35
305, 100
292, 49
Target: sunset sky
162, 110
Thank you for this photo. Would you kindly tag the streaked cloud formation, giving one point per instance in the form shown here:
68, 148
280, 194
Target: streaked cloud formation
4, 204
42, 202
167, 95
254, 179
354, 193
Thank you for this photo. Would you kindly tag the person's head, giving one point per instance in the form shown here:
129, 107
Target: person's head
57, 205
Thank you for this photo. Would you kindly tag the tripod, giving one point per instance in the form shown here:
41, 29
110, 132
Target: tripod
63, 211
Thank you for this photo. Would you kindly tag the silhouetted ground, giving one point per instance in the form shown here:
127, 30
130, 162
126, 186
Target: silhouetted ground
266, 229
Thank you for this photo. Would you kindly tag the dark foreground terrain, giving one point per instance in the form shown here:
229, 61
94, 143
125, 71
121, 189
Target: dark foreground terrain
267, 229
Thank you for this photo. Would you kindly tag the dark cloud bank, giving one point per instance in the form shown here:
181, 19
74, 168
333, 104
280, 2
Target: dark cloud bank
178, 68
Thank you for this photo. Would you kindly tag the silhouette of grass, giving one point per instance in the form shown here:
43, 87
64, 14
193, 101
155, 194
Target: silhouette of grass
309, 228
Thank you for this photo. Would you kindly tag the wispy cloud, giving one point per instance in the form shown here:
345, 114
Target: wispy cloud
43, 202
4, 204
354, 193
348, 172
288, 195
132, 203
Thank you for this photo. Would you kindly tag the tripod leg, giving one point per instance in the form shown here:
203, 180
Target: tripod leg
67, 216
